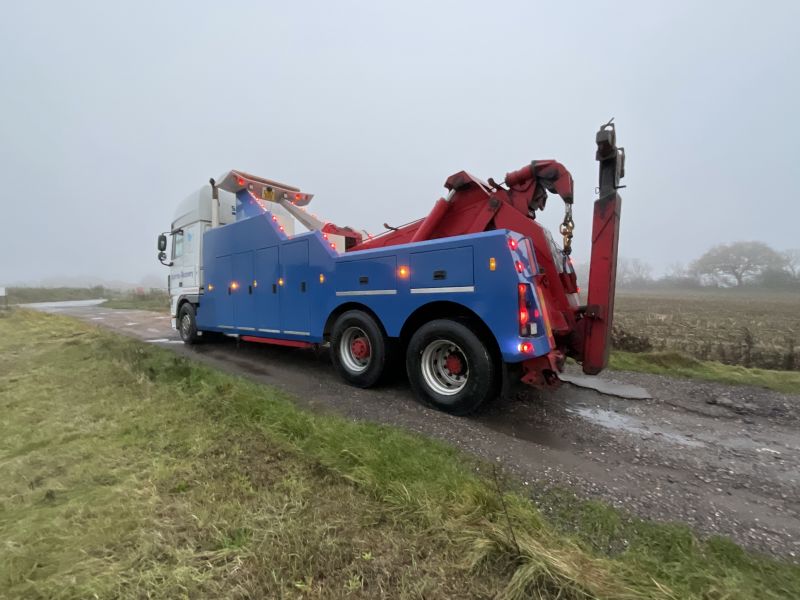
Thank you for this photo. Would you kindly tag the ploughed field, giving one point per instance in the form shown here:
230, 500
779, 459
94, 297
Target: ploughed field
747, 328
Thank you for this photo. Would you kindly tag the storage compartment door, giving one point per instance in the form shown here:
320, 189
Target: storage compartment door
242, 291
294, 292
268, 318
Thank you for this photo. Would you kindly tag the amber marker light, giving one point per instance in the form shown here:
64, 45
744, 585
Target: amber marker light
210, 287
280, 281
492, 264
322, 278
402, 272
234, 285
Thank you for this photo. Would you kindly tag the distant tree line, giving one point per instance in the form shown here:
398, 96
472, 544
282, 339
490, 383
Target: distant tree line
734, 265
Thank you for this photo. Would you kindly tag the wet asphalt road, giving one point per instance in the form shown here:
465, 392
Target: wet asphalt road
724, 459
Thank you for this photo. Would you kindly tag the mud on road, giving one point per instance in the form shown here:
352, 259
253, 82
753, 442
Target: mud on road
724, 459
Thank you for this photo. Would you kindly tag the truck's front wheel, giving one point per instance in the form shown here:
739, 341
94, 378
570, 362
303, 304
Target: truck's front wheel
358, 348
187, 324
450, 367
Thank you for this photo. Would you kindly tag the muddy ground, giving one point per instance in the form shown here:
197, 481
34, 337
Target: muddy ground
724, 459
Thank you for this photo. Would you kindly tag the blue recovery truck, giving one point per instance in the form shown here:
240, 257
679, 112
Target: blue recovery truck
451, 306
465, 299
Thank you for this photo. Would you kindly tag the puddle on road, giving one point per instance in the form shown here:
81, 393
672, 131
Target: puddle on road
619, 422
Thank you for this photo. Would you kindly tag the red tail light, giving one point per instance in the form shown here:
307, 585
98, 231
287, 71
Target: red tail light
520, 267
523, 313
240, 181
512, 243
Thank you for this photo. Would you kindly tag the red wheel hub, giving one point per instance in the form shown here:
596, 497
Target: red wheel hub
454, 364
360, 348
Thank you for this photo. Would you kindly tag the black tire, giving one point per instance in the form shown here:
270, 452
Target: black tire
450, 368
354, 333
187, 324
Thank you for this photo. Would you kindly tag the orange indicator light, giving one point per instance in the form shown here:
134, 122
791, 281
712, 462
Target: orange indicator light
322, 278
280, 281
402, 272
492, 264
234, 285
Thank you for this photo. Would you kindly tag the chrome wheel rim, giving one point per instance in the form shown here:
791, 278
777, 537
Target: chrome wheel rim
186, 325
355, 350
438, 372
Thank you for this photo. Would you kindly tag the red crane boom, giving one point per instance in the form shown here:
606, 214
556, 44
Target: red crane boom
579, 331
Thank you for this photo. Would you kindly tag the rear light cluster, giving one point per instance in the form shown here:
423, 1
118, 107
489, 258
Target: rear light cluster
527, 317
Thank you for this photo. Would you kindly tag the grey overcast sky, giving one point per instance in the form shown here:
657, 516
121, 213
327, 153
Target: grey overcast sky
112, 112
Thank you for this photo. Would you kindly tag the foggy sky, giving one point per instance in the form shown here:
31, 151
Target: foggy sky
112, 112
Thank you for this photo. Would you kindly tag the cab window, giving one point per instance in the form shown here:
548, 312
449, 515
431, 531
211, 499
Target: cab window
177, 245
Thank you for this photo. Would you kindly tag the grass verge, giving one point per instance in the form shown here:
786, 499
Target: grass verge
154, 301
128, 472
676, 364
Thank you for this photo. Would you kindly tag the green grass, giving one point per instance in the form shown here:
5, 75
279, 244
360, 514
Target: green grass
154, 301
679, 365
128, 472
27, 295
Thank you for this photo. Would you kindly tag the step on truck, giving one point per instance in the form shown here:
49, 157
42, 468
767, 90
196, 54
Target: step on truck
469, 299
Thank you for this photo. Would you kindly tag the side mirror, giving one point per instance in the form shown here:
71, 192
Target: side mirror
162, 243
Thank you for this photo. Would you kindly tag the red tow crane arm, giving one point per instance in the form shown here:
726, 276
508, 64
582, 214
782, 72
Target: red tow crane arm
579, 331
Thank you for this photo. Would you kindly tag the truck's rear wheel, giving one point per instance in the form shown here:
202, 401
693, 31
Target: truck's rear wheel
358, 348
449, 367
187, 324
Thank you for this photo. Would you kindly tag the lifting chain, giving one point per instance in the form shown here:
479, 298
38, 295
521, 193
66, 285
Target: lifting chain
566, 229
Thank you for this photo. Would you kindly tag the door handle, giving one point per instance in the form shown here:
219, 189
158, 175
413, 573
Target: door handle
229, 290
250, 289
303, 286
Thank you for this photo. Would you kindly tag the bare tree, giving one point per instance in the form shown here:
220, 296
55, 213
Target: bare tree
738, 261
792, 258
632, 272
